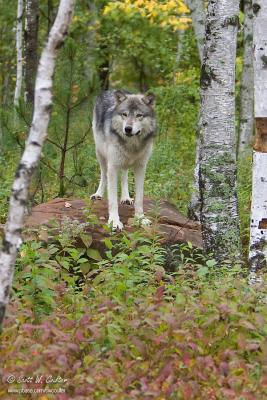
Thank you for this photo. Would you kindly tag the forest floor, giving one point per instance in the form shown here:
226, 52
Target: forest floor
140, 321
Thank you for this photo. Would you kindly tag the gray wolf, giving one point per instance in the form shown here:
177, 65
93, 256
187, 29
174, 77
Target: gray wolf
124, 127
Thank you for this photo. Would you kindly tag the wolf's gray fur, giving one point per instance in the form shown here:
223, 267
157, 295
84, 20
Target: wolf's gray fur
124, 126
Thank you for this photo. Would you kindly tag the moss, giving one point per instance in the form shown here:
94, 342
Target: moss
216, 207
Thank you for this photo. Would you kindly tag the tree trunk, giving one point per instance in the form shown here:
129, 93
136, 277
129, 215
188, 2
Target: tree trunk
180, 47
258, 225
33, 148
219, 215
103, 71
246, 94
198, 15
90, 67
31, 47
19, 52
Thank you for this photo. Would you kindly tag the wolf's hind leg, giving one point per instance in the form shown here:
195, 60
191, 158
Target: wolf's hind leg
125, 197
103, 180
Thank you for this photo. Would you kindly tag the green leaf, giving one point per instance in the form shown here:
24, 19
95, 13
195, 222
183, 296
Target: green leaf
82, 260
108, 243
203, 271
211, 263
94, 254
85, 268
86, 239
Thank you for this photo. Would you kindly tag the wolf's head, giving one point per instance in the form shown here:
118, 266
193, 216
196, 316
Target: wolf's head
134, 114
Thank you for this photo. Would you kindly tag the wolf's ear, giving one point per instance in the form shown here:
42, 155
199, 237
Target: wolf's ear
149, 99
120, 96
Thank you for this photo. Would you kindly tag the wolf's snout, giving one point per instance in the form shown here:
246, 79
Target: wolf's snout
128, 130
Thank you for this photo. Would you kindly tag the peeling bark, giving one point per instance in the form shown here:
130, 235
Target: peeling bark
19, 52
31, 47
31, 156
246, 94
258, 227
219, 215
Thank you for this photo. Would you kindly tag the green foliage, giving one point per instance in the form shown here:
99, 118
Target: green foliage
136, 321
244, 194
174, 149
198, 331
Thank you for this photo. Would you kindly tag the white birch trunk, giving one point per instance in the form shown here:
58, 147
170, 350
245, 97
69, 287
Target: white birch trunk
31, 156
180, 46
246, 94
258, 225
198, 15
19, 52
219, 216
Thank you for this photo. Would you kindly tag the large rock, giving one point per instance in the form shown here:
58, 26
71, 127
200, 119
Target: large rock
173, 227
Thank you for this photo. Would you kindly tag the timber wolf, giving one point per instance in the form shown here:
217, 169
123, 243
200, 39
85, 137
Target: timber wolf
124, 126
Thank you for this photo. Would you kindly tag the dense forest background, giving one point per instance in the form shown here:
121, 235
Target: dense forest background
110, 46
149, 322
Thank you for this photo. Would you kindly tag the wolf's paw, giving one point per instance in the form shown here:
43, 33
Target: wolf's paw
142, 220
129, 201
145, 222
95, 197
115, 223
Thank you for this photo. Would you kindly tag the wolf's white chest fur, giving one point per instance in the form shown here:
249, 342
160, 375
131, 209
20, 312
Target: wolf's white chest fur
125, 156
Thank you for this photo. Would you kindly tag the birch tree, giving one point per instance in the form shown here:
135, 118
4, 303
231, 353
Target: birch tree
246, 94
198, 15
31, 156
31, 47
219, 216
258, 224
19, 45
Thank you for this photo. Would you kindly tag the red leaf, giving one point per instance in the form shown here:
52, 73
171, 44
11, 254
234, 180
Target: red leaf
160, 293
79, 336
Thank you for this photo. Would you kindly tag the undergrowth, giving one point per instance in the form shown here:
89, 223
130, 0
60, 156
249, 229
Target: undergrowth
137, 321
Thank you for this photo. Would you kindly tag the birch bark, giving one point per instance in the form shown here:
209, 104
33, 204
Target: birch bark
19, 52
31, 47
258, 225
31, 156
198, 15
246, 94
219, 216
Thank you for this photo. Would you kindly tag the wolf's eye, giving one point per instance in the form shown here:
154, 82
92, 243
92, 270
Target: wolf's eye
139, 115
124, 114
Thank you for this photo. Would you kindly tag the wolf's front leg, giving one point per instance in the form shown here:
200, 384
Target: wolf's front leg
125, 197
139, 172
113, 211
